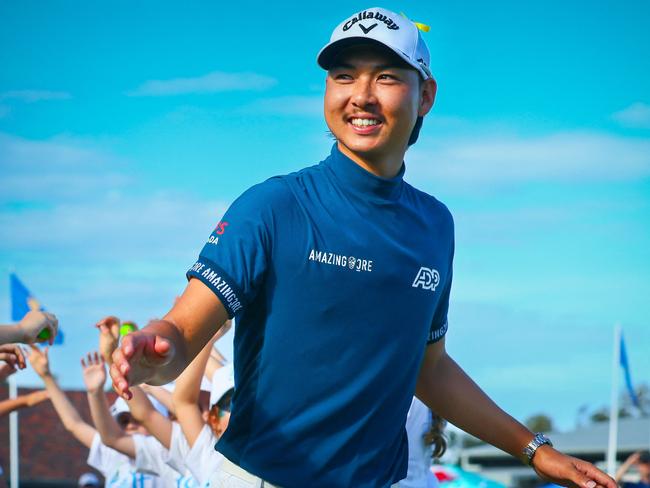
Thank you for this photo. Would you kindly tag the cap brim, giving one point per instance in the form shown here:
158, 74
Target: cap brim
327, 55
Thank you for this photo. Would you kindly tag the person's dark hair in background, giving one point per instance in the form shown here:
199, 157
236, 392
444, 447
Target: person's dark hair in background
435, 436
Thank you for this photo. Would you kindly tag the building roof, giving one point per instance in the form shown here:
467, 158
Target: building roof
48, 453
633, 434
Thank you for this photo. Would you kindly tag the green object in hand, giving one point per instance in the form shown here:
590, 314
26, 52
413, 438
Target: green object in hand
127, 328
44, 335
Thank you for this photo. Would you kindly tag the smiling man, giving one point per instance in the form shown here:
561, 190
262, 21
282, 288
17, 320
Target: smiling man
339, 276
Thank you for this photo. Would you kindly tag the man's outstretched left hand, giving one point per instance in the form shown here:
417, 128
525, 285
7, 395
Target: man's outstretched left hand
565, 470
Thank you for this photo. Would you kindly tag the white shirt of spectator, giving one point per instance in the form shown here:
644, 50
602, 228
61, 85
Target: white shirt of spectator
118, 469
150, 457
418, 422
203, 460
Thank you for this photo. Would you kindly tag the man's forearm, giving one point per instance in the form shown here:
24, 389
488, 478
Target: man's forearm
452, 394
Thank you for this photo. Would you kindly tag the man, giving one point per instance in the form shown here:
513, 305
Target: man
319, 266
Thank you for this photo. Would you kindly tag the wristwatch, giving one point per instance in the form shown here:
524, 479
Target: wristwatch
538, 441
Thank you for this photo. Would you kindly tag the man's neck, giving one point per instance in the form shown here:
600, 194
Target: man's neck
385, 166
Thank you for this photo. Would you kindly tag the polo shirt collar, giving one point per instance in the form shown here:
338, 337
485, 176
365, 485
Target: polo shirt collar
354, 177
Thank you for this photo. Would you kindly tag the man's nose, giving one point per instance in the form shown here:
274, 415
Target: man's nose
364, 93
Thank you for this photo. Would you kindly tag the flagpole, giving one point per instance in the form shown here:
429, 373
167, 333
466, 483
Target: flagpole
613, 413
13, 419
13, 436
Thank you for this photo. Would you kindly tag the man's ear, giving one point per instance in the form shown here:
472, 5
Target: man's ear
427, 96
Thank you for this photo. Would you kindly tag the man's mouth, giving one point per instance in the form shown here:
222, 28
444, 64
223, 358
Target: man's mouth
364, 122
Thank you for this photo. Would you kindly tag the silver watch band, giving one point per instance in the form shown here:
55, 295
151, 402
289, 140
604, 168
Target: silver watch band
538, 441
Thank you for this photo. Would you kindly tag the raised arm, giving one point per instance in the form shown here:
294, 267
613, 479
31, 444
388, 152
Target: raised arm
186, 396
625, 467
109, 337
158, 353
94, 374
161, 394
144, 412
31, 329
68, 414
445, 388
22, 401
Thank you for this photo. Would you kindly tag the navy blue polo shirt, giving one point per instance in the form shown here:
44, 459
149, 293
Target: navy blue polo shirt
338, 279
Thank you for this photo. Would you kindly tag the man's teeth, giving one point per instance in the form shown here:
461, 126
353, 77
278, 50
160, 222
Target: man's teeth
364, 122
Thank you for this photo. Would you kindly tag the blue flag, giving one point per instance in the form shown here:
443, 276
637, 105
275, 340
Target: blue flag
22, 301
626, 372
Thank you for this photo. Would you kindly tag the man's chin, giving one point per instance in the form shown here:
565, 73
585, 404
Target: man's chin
363, 148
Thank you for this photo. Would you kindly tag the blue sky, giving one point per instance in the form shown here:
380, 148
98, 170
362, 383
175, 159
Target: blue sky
127, 128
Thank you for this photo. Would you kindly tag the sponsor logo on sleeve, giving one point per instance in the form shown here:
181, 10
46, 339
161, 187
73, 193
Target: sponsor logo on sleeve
427, 279
219, 284
219, 230
434, 335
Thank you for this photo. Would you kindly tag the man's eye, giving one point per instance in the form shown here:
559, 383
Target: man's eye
387, 76
342, 76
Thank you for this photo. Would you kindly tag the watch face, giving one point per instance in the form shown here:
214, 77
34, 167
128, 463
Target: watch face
538, 440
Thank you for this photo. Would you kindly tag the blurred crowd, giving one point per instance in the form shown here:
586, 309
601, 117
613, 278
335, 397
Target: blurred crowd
164, 436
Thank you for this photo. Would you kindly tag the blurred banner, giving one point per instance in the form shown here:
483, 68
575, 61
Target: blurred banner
628, 377
22, 301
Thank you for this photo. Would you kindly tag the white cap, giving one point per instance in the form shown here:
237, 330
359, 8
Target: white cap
88, 479
387, 28
223, 380
120, 406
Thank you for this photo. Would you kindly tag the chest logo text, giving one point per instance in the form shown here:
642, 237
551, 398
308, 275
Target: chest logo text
351, 262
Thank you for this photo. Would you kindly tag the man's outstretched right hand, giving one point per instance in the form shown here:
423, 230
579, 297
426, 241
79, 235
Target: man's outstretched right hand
138, 360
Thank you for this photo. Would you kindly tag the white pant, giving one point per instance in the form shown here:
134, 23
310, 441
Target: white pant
232, 476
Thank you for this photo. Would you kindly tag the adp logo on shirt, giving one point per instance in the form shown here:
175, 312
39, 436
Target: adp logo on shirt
427, 279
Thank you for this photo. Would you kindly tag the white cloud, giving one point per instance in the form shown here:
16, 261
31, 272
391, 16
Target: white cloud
58, 169
495, 160
115, 228
636, 115
214, 82
31, 96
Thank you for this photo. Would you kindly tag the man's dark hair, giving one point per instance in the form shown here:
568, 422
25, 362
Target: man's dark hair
416, 131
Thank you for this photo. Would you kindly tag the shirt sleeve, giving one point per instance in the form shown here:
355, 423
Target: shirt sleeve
203, 459
234, 260
440, 324
178, 449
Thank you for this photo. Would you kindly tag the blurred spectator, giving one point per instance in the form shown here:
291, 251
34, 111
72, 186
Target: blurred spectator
426, 441
641, 460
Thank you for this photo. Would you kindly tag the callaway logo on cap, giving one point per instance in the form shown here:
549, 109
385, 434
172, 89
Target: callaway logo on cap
387, 28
